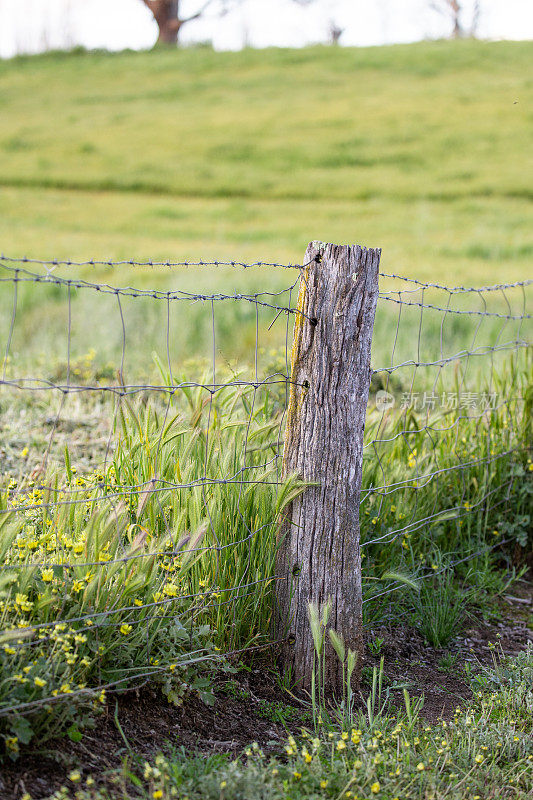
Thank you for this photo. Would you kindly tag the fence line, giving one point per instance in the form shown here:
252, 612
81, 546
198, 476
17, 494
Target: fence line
207, 457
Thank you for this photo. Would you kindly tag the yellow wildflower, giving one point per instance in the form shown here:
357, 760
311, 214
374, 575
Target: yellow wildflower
341, 745
12, 743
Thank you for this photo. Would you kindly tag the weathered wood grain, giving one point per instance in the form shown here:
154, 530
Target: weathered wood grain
319, 535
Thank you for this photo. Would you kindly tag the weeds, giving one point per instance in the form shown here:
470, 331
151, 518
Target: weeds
170, 576
156, 584
439, 608
375, 646
485, 751
448, 661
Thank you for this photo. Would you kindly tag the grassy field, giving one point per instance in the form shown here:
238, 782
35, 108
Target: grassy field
419, 149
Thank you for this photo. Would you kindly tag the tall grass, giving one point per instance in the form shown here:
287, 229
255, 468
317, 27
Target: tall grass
163, 558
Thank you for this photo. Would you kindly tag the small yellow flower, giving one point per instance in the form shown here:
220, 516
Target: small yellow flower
47, 575
158, 794
74, 776
125, 629
479, 759
223, 784
323, 784
297, 775
341, 745
375, 787
421, 766
12, 743
39, 682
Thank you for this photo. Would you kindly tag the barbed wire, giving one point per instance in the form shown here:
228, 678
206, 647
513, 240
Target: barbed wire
55, 262
131, 262
459, 312
456, 289
234, 421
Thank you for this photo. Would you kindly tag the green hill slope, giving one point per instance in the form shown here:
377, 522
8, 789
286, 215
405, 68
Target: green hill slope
421, 149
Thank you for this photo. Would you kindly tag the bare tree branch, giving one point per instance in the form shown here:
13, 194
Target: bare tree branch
452, 9
169, 21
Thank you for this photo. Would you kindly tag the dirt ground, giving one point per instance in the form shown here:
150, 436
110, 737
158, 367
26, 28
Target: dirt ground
251, 706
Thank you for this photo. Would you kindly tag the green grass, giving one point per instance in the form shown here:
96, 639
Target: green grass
180, 155
199, 559
121, 583
485, 752
420, 149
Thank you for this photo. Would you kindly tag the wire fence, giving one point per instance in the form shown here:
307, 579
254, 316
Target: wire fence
142, 488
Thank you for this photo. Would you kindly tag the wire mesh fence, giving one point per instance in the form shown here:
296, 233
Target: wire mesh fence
448, 434
141, 477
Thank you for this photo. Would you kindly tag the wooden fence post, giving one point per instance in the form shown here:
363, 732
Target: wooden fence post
330, 381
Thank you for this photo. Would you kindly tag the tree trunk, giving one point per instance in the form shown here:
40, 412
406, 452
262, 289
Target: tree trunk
166, 14
456, 16
330, 380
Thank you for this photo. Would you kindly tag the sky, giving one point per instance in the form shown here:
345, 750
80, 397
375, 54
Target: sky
36, 25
